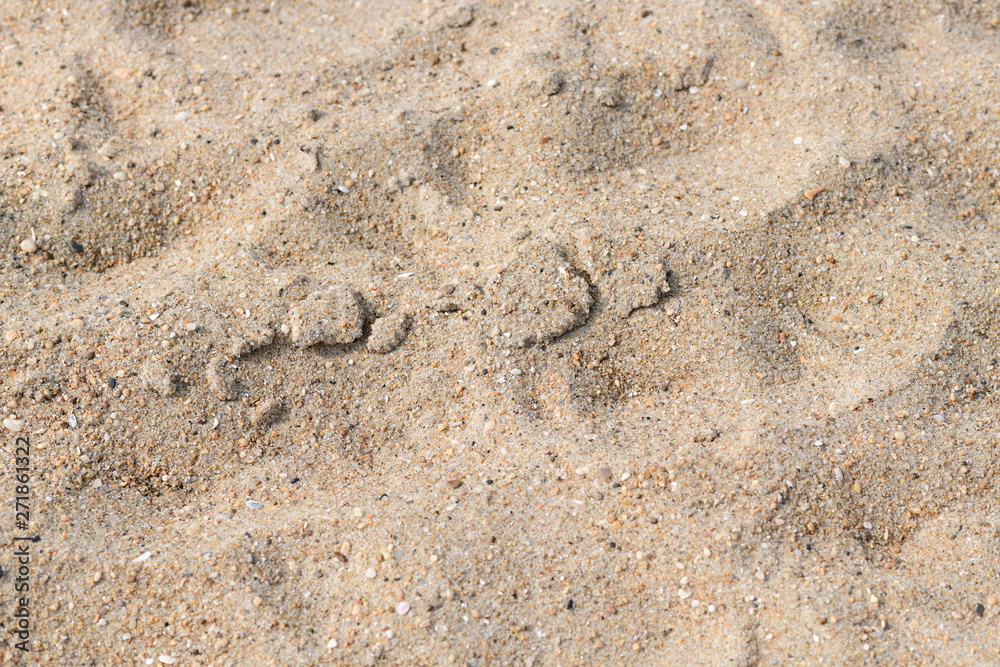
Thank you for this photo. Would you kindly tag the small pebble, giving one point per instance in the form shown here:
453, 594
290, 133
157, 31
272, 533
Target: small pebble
13, 424
812, 194
604, 474
75, 247
254, 505
28, 246
402, 608
72, 421
167, 659
370, 573
844, 162
112, 383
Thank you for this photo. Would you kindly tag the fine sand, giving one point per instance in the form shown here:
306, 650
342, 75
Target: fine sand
501, 333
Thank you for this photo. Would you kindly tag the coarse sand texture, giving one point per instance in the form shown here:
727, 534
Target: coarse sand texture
358, 332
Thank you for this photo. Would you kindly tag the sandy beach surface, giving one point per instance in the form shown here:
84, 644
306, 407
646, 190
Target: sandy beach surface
500, 333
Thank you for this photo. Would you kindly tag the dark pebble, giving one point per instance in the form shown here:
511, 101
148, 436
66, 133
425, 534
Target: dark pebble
75, 247
89, 355
979, 609
112, 383
569, 605
294, 480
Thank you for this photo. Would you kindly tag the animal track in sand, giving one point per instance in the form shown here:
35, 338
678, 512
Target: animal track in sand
450, 220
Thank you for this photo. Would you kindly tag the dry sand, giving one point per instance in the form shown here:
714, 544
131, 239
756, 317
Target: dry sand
548, 333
